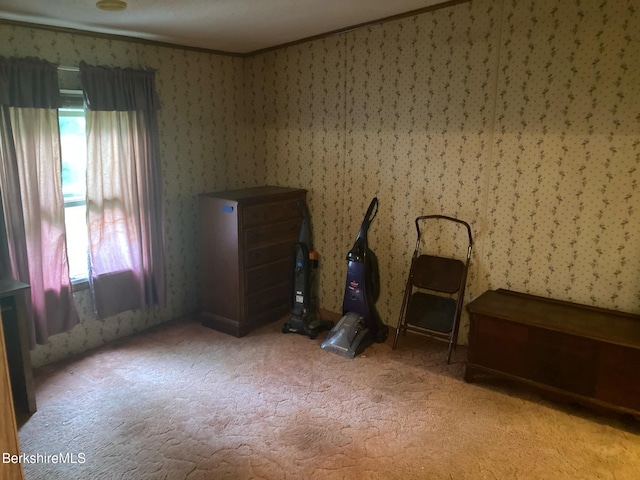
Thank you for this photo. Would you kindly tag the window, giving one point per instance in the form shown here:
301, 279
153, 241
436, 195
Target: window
73, 145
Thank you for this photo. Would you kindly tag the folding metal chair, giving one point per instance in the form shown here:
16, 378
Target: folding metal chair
433, 297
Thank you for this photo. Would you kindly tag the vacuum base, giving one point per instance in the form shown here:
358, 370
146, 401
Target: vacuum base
350, 336
302, 325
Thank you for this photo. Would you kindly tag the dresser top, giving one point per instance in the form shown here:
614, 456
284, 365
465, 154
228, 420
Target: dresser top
251, 194
9, 286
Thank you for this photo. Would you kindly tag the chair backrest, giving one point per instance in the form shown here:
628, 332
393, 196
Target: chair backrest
439, 272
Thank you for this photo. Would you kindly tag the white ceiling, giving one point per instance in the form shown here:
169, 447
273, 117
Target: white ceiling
235, 26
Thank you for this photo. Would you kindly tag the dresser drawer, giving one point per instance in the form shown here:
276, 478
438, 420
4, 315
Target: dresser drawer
272, 233
259, 278
275, 212
270, 253
272, 298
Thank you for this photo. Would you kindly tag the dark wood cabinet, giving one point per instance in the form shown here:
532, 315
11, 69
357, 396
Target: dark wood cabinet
8, 428
15, 301
580, 353
246, 240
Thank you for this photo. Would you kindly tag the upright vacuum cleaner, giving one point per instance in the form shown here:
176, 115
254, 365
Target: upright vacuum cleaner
305, 319
360, 325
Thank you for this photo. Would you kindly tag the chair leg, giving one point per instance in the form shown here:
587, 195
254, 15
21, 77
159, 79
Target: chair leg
400, 328
395, 339
451, 347
453, 340
403, 312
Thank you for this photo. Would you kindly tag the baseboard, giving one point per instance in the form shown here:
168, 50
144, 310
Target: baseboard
329, 315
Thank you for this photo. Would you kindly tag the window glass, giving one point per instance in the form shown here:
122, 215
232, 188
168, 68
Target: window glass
73, 144
74, 153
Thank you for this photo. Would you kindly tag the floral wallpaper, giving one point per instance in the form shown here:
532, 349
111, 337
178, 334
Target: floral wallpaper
296, 111
564, 202
521, 118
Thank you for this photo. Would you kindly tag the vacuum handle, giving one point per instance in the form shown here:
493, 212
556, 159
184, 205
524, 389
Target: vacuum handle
359, 249
303, 209
305, 228
371, 213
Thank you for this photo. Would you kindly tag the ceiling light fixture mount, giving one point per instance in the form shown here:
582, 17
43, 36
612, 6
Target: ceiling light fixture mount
111, 5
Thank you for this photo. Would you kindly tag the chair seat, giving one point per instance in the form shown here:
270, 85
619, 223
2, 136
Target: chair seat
431, 312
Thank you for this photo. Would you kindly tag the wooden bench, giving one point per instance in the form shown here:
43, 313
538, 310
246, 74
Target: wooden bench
580, 353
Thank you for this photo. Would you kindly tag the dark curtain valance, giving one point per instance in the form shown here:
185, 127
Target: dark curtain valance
118, 89
28, 83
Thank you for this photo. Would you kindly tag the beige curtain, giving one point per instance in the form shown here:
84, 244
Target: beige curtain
115, 231
31, 185
124, 190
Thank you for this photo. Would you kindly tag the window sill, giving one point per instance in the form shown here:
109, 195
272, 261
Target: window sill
79, 285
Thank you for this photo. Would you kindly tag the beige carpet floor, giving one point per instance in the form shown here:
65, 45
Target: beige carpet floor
183, 401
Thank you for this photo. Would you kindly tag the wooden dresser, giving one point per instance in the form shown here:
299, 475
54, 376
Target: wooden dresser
576, 352
246, 240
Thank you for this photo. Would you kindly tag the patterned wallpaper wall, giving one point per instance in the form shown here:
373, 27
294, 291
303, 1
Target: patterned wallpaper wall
402, 111
296, 117
519, 117
564, 201
202, 146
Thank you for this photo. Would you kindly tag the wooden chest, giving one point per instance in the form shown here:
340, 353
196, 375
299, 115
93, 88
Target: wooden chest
579, 353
